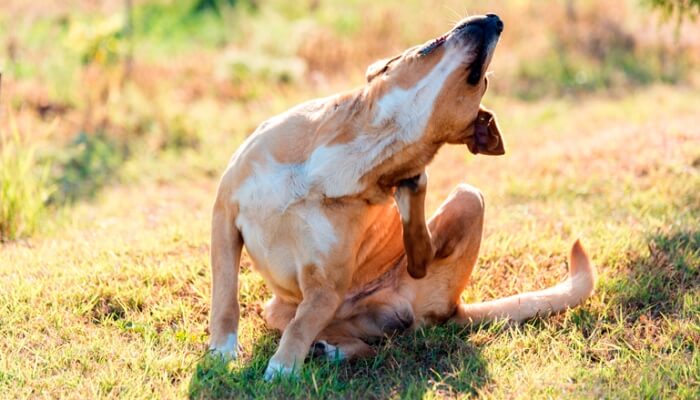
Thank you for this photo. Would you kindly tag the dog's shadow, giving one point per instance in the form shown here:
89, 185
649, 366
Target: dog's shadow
441, 359
655, 284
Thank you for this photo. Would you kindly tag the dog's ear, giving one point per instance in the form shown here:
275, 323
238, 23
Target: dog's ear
378, 67
487, 135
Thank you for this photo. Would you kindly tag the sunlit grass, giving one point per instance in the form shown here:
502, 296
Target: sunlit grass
116, 303
24, 185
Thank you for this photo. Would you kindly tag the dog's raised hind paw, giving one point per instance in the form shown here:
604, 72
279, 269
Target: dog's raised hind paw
322, 348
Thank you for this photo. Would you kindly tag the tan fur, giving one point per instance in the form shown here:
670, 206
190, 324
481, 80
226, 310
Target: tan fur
225, 264
402, 302
336, 262
417, 242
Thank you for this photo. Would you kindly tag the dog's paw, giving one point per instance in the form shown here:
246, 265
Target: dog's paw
275, 369
327, 350
228, 349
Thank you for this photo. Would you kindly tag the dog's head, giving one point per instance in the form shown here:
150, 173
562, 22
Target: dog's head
433, 91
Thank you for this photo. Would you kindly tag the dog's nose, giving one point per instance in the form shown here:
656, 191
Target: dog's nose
491, 22
497, 21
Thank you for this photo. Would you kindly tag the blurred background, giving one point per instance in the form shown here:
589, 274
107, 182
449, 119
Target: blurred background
88, 84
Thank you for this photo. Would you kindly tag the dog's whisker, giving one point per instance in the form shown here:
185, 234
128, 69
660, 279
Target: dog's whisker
457, 15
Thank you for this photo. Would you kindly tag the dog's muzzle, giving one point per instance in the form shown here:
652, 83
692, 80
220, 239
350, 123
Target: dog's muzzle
484, 30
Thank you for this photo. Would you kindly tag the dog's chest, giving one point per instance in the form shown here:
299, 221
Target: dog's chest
282, 216
283, 222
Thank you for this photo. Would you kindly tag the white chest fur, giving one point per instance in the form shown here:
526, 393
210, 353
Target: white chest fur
282, 220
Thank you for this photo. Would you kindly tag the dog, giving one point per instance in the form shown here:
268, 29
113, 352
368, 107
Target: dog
328, 200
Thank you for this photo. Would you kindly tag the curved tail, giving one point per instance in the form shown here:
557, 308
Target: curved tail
568, 294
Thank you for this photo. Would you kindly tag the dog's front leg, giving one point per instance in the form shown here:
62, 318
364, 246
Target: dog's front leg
410, 199
322, 294
226, 246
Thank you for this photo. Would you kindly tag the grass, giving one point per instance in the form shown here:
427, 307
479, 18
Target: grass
86, 165
113, 300
116, 303
24, 186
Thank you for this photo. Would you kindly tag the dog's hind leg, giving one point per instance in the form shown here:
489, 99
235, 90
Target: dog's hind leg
341, 348
456, 229
278, 314
344, 339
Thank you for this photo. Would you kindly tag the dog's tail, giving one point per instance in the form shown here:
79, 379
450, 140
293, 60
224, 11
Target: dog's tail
567, 294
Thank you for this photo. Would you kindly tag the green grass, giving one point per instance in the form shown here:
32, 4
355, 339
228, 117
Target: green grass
115, 303
86, 165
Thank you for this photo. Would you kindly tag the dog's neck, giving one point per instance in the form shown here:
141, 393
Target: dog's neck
387, 147
377, 135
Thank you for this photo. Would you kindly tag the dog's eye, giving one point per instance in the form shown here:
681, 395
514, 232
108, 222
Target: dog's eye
388, 66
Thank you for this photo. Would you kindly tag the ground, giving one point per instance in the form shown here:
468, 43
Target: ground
109, 296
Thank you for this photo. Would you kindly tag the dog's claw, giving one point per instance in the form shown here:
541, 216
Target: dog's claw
225, 355
228, 350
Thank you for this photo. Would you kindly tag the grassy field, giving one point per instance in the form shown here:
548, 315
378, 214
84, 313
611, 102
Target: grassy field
113, 140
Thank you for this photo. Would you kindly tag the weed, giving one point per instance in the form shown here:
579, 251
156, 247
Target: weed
24, 185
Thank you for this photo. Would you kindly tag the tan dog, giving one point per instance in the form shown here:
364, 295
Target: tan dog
311, 194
